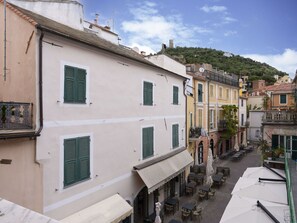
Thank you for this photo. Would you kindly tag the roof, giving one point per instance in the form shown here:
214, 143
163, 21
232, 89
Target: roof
47, 25
287, 87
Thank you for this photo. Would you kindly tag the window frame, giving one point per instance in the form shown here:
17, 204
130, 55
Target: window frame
62, 84
62, 187
280, 99
142, 142
200, 93
175, 136
175, 95
220, 93
143, 93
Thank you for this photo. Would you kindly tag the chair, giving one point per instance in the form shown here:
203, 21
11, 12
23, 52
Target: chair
197, 214
202, 195
185, 214
223, 180
211, 193
189, 190
169, 209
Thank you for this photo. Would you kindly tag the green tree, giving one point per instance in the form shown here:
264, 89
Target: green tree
230, 116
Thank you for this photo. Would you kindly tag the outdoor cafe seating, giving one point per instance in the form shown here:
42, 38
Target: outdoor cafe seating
171, 205
187, 211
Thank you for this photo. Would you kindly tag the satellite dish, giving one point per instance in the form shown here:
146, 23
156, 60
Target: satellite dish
201, 69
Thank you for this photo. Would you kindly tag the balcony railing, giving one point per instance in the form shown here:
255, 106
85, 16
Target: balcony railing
195, 132
16, 115
222, 125
274, 117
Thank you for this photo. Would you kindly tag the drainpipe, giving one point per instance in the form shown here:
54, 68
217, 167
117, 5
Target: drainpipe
186, 113
4, 62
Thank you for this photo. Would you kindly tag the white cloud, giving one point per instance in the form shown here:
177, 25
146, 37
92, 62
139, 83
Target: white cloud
230, 33
286, 62
215, 8
149, 28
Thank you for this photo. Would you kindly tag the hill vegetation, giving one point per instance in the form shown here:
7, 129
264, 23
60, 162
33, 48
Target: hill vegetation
225, 61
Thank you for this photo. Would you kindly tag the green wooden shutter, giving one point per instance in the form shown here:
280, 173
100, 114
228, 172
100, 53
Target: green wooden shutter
147, 93
175, 140
175, 95
70, 162
147, 142
200, 92
69, 84
81, 85
84, 157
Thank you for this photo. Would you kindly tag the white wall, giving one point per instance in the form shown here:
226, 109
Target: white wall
255, 119
69, 13
113, 117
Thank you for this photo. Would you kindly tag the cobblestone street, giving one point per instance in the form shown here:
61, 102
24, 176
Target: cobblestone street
213, 209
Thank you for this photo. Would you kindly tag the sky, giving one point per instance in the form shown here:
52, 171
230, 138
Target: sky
263, 30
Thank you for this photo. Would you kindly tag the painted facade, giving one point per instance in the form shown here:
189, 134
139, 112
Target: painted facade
107, 113
21, 181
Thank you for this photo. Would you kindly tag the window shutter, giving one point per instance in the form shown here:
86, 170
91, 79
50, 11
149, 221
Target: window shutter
84, 157
175, 140
81, 85
147, 93
175, 95
274, 141
147, 142
70, 161
69, 84
200, 92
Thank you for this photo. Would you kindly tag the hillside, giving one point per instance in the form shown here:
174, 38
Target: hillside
225, 61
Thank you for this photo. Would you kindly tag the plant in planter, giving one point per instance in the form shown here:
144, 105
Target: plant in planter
279, 152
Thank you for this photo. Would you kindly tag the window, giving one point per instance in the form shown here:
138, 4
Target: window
227, 94
211, 90
211, 119
241, 102
200, 92
76, 160
74, 85
147, 93
242, 119
175, 141
191, 120
283, 99
220, 92
235, 95
147, 142
175, 95
199, 117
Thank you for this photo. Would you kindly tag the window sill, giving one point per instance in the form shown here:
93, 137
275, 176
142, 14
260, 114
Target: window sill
74, 185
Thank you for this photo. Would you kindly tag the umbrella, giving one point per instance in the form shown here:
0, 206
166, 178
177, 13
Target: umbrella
209, 167
268, 191
256, 172
243, 209
158, 209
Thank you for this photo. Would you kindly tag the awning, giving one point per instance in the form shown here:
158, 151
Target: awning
159, 173
11, 212
111, 210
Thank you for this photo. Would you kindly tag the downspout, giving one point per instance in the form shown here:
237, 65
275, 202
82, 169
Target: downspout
186, 113
4, 62
40, 85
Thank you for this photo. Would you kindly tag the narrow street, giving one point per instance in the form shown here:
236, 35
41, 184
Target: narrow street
213, 209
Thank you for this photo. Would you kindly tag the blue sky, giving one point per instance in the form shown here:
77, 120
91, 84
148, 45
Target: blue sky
264, 30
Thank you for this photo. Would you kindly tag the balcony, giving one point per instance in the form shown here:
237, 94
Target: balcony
195, 133
280, 117
222, 125
16, 116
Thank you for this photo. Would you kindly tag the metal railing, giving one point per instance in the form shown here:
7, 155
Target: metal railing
195, 132
16, 115
288, 168
280, 117
222, 125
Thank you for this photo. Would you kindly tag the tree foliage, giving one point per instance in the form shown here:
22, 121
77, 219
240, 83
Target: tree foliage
230, 116
232, 64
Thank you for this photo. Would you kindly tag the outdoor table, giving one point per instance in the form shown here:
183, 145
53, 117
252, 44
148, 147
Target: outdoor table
236, 156
200, 178
191, 177
205, 188
189, 207
192, 186
173, 202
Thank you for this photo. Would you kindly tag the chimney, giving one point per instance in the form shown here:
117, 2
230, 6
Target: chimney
96, 20
171, 45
